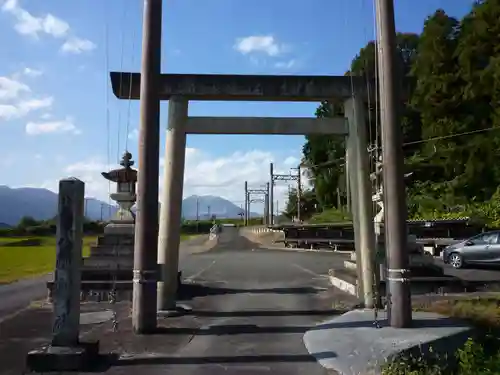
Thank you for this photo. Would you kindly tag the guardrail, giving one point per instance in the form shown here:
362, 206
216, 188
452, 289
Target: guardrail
436, 233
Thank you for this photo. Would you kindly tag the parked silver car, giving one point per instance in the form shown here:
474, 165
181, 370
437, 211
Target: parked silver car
481, 249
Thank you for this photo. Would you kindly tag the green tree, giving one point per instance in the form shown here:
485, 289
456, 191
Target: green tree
308, 204
478, 55
318, 153
27, 221
437, 95
324, 154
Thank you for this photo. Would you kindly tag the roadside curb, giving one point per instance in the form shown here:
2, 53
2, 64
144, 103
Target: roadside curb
343, 285
298, 250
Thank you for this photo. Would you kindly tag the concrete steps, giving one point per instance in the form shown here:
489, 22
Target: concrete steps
423, 279
111, 251
115, 240
108, 262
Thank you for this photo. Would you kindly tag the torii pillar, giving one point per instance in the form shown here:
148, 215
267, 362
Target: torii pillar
179, 89
171, 205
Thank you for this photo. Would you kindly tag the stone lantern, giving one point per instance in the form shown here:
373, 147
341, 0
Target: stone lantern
125, 195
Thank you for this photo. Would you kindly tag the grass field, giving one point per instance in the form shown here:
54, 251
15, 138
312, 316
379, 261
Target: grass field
32, 256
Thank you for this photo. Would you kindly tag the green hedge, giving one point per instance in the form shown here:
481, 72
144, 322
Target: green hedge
95, 227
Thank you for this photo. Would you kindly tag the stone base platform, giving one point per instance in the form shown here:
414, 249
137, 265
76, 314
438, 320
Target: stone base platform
98, 285
60, 358
359, 346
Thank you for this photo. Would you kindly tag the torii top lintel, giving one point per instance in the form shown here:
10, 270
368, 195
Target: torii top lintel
230, 87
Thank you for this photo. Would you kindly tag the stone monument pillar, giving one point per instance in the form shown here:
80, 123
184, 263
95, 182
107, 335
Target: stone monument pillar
66, 352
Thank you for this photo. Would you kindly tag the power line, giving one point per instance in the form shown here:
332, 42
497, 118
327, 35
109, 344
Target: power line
451, 136
376, 148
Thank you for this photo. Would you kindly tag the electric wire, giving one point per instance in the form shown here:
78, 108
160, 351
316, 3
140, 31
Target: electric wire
122, 43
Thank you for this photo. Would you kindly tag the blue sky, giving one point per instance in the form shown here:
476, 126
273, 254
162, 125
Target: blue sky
56, 103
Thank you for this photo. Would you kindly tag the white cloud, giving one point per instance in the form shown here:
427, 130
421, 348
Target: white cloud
9, 5
55, 26
8, 111
205, 174
27, 106
266, 44
27, 24
11, 88
134, 134
48, 24
286, 64
30, 72
291, 161
45, 127
17, 100
23, 107
77, 45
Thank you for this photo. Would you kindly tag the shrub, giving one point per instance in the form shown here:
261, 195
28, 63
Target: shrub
23, 243
332, 215
40, 230
471, 359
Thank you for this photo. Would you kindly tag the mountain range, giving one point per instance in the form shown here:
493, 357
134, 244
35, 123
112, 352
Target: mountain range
41, 204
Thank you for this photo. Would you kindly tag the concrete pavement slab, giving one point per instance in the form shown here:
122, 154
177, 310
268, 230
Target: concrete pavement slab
359, 347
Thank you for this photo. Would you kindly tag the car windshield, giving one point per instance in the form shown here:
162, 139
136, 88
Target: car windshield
485, 238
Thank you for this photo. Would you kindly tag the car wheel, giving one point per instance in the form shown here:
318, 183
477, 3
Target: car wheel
455, 260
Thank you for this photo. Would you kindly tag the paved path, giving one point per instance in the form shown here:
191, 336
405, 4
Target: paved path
250, 312
18, 295
251, 309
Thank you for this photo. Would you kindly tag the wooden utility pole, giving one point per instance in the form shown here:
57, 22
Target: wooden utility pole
146, 229
271, 193
197, 209
347, 182
399, 296
246, 204
266, 205
299, 193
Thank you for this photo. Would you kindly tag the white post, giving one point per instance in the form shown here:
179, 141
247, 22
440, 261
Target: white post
171, 207
67, 278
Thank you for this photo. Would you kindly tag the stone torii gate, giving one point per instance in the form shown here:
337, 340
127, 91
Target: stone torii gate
179, 89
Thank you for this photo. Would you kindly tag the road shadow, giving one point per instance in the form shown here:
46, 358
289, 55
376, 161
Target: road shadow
189, 291
264, 358
264, 313
231, 329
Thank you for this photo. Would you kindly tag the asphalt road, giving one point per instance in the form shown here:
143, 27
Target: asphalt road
251, 308
18, 295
